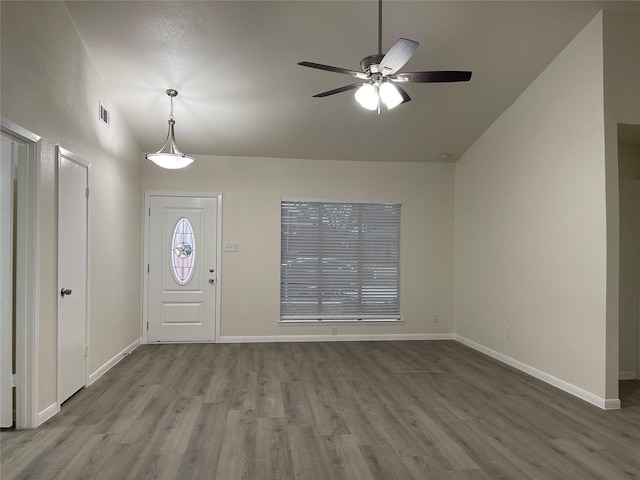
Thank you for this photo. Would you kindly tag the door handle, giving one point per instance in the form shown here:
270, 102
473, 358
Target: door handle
211, 280
65, 291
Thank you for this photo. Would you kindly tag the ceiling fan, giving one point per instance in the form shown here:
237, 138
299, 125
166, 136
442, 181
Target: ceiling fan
379, 77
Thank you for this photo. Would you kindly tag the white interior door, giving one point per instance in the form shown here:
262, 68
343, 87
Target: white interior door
6, 279
73, 182
182, 269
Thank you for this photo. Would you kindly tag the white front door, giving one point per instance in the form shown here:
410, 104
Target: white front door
6, 282
182, 269
73, 183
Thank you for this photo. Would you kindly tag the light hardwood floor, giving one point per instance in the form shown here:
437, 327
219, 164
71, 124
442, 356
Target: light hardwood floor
326, 411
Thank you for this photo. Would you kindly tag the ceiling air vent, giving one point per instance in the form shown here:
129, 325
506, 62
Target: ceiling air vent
104, 115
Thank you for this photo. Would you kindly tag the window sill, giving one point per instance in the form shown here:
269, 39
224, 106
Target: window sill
300, 323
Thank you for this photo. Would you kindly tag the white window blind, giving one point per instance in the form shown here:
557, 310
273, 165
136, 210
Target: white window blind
340, 261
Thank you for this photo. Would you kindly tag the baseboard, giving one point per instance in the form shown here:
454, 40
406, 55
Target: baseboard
47, 413
336, 338
604, 403
611, 404
111, 363
627, 375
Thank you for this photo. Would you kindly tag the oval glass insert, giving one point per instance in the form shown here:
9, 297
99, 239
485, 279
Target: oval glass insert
183, 255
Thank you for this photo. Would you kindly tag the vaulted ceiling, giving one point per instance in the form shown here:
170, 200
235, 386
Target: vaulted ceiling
242, 94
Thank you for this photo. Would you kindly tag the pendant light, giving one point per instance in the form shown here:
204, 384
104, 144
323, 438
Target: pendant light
172, 158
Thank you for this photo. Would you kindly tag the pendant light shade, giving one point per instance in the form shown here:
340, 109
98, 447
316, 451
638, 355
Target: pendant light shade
169, 156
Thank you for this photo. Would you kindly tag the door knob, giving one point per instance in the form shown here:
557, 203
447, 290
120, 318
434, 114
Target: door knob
65, 291
211, 280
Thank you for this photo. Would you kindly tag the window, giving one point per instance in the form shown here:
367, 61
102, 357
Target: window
183, 249
340, 261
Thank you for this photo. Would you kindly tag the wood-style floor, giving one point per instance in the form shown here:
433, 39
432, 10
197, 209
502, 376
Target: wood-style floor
326, 411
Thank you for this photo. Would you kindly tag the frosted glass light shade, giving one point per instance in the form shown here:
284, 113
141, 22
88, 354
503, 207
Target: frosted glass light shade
389, 95
172, 161
367, 96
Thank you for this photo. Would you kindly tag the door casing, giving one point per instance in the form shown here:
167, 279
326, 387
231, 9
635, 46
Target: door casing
27, 277
8, 169
145, 259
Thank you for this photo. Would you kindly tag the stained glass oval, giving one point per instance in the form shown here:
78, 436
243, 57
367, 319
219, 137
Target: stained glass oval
183, 254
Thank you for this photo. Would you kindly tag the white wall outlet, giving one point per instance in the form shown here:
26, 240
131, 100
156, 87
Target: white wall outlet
334, 330
230, 247
435, 318
508, 332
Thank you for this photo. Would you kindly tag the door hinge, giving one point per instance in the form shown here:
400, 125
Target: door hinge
13, 381
148, 268
87, 192
86, 350
149, 211
147, 325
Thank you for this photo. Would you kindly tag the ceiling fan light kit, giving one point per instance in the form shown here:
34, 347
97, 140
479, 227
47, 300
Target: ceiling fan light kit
379, 74
371, 95
169, 156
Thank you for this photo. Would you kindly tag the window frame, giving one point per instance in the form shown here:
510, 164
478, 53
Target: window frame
391, 308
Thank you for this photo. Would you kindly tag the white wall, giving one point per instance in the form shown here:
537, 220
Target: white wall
51, 87
252, 189
531, 239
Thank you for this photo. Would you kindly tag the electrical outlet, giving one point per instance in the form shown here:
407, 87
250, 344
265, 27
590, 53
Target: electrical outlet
334, 330
230, 247
508, 332
435, 318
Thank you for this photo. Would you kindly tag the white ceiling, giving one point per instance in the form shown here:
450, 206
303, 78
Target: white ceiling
242, 94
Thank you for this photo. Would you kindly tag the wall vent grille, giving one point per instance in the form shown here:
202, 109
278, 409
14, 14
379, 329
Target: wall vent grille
104, 115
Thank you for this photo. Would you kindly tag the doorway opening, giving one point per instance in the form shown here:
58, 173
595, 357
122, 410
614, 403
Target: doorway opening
629, 299
18, 319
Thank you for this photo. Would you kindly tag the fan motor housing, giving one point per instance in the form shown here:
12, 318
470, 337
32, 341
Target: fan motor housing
372, 60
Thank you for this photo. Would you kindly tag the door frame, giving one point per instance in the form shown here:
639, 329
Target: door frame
61, 152
145, 257
27, 277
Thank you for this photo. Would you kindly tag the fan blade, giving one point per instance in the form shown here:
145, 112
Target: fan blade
397, 56
428, 77
329, 68
346, 88
405, 96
